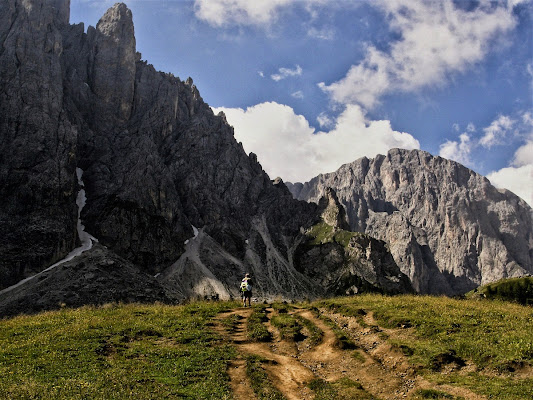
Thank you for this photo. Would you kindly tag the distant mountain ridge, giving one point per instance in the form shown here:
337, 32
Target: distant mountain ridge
448, 228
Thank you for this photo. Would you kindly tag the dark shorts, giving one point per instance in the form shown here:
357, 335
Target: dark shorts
247, 294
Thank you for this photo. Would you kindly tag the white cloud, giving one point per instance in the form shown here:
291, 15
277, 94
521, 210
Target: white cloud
437, 41
496, 131
261, 74
527, 119
518, 180
325, 121
287, 146
322, 34
220, 13
286, 72
524, 155
518, 177
298, 94
239, 12
457, 151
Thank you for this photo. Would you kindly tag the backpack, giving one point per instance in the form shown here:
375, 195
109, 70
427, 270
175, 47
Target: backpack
245, 286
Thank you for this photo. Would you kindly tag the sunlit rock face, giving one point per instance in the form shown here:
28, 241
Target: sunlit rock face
447, 227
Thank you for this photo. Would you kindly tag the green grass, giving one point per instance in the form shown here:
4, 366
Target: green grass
161, 351
115, 352
342, 389
496, 336
261, 385
322, 233
231, 322
256, 329
519, 290
423, 394
315, 333
288, 326
282, 307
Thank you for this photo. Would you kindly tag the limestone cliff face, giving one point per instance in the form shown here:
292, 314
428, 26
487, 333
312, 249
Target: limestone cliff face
38, 140
447, 227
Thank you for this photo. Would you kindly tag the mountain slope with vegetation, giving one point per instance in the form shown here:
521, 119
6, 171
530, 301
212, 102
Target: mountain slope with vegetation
519, 290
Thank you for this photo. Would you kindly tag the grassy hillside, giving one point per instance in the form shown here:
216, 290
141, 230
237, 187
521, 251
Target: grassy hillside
492, 339
519, 290
160, 351
115, 352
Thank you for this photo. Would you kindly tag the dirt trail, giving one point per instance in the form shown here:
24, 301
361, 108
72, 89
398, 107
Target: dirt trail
332, 363
287, 374
388, 363
240, 385
383, 372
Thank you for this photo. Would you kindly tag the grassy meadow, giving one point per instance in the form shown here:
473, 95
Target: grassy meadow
115, 352
496, 337
161, 351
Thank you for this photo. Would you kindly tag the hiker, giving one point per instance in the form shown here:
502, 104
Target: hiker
246, 290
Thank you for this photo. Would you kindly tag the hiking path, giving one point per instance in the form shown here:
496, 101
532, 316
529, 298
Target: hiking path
366, 360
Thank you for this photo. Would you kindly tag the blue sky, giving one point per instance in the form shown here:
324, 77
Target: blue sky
312, 84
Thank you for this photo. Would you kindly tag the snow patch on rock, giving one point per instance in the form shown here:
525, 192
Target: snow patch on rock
86, 239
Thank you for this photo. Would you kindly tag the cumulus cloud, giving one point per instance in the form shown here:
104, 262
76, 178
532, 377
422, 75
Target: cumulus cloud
496, 131
286, 72
287, 146
239, 12
457, 151
437, 40
518, 180
518, 176
524, 155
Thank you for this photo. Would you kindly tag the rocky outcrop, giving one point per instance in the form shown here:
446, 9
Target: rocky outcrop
356, 262
95, 277
38, 140
447, 227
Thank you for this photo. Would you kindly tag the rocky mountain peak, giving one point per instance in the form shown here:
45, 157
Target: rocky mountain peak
113, 62
333, 212
448, 228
